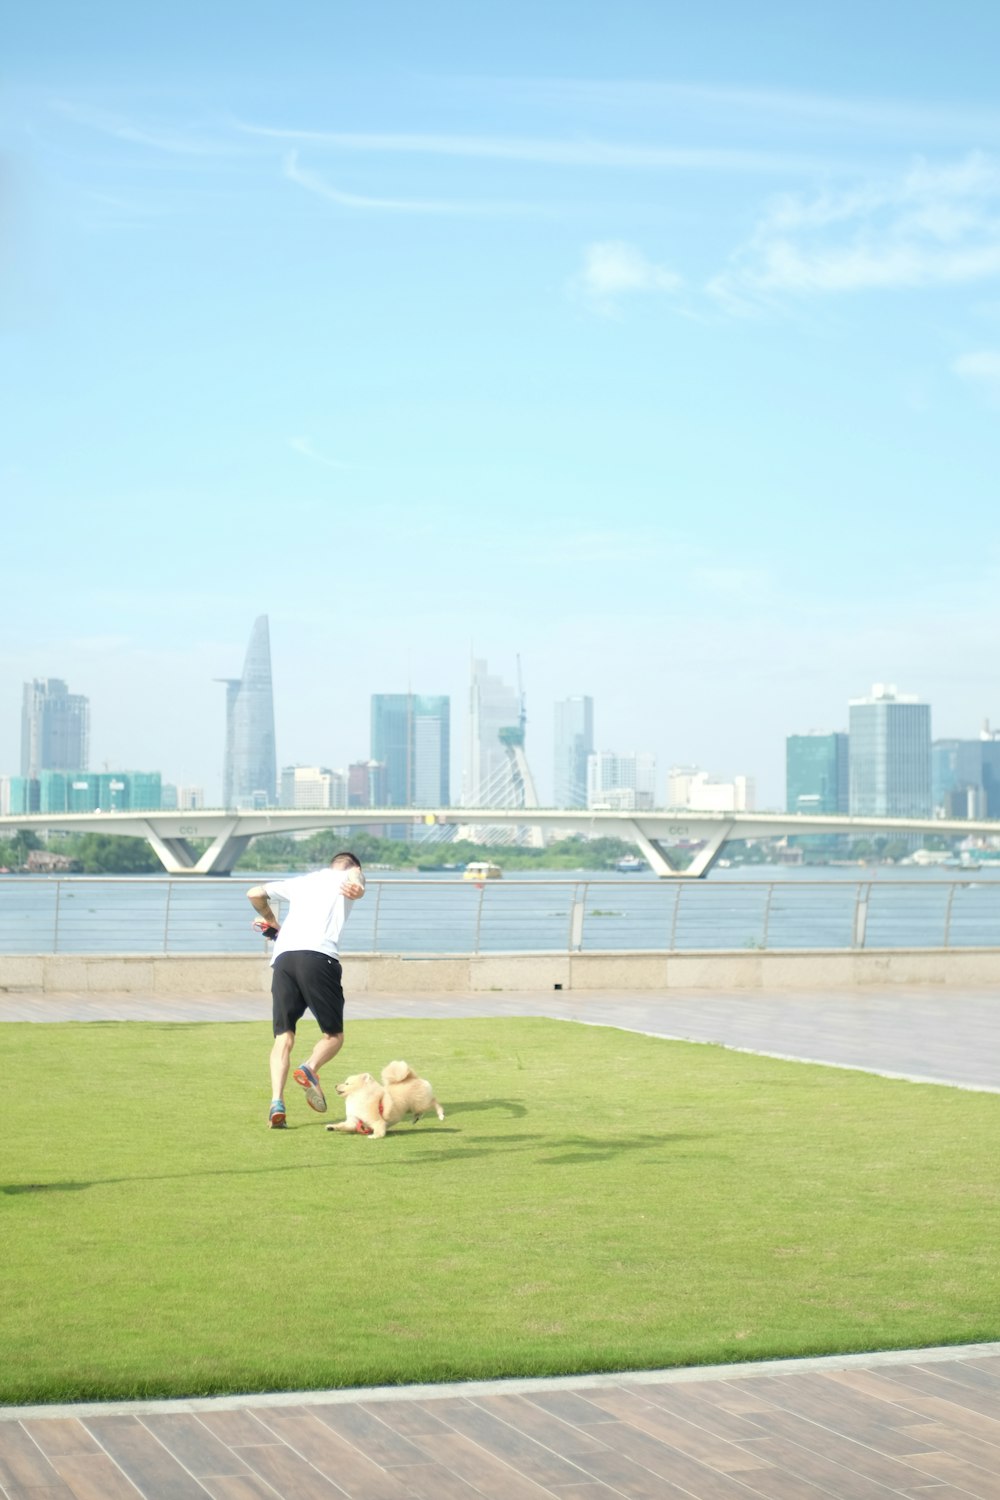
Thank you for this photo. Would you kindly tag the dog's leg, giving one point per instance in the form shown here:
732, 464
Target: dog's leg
437, 1109
351, 1126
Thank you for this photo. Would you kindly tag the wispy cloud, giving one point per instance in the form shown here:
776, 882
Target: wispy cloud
559, 153
306, 449
192, 142
613, 268
936, 225
313, 182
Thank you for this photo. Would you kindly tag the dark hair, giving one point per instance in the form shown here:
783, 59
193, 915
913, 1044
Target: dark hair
345, 859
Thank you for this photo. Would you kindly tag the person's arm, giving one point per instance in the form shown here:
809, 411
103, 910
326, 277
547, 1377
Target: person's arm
353, 884
257, 896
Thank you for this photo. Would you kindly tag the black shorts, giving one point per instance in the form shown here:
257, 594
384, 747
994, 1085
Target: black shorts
304, 979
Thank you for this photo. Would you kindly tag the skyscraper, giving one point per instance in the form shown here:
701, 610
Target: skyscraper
574, 742
250, 772
493, 708
55, 728
890, 755
817, 772
966, 776
411, 737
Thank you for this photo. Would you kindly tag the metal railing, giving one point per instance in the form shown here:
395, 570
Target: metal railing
84, 914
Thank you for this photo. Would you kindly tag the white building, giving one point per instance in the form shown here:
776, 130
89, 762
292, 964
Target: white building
493, 707
313, 787
679, 779
695, 790
626, 783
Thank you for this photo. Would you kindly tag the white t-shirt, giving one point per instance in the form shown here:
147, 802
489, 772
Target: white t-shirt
317, 910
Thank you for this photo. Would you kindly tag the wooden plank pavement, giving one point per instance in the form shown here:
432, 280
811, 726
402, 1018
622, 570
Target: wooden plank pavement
928, 1429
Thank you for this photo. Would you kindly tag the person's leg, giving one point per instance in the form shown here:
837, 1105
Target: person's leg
307, 1073
287, 1005
326, 1048
320, 981
281, 1056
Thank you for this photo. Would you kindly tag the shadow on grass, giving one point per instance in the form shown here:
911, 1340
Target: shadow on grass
573, 1150
58, 1187
516, 1110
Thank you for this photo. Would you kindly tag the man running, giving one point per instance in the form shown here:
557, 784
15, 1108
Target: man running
305, 969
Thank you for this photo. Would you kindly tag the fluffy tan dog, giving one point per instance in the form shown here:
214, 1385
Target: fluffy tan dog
372, 1106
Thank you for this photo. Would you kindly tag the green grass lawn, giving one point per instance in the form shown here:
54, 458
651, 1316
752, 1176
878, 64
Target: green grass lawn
595, 1200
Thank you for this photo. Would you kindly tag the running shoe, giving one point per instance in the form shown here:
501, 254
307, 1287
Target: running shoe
276, 1117
315, 1097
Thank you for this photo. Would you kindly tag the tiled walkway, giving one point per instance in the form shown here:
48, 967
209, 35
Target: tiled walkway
924, 1425
928, 1032
928, 1429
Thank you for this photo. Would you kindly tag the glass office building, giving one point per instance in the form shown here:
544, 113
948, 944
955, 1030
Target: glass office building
411, 740
890, 755
87, 791
817, 772
573, 743
965, 777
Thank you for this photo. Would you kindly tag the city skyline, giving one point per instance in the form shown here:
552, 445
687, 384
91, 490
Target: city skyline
420, 744
653, 345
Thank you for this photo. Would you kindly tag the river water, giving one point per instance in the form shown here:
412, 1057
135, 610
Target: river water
739, 908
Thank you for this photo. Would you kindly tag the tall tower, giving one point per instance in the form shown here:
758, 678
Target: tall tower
411, 737
574, 741
493, 707
55, 728
250, 772
890, 755
497, 773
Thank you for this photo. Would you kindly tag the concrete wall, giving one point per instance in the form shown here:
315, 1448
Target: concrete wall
214, 973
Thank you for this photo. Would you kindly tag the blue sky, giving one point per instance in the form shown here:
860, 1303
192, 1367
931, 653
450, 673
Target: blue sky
658, 344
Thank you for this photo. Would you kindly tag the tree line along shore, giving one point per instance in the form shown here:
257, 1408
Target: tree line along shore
109, 854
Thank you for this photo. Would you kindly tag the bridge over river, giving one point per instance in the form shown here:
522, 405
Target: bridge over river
654, 834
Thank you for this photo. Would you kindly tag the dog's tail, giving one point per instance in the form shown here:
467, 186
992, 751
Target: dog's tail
396, 1072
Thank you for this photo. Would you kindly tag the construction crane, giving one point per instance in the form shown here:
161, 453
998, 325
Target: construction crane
512, 739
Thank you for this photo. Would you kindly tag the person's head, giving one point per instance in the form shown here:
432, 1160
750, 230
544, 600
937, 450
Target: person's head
345, 860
